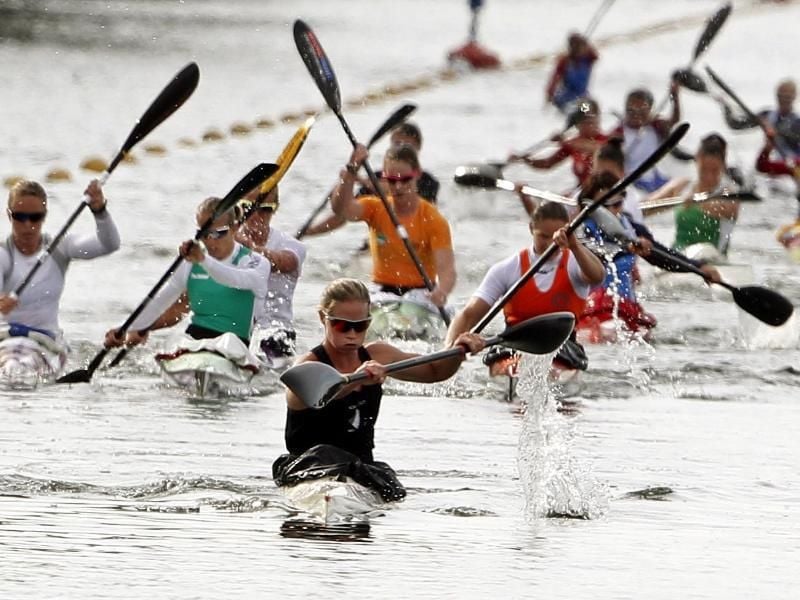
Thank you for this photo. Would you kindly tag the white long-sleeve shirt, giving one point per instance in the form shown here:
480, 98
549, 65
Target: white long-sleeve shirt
251, 273
39, 301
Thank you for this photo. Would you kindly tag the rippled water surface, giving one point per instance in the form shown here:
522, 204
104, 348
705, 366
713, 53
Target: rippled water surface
672, 472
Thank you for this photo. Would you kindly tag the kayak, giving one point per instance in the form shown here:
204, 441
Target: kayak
332, 499
608, 320
409, 317
209, 367
30, 359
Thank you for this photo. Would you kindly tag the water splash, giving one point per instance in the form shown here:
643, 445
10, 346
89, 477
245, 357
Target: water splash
554, 482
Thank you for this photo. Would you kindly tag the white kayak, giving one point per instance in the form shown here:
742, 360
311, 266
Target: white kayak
332, 499
215, 366
27, 361
411, 316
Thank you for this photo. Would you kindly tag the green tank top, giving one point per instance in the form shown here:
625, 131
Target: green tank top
693, 226
217, 306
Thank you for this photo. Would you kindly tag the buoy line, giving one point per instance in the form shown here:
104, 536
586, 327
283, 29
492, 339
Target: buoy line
384, 93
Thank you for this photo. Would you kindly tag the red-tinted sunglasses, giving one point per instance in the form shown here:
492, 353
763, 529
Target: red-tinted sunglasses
400, 178
345, 325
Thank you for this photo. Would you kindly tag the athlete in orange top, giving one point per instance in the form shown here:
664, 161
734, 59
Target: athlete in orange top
563, 282
428, 231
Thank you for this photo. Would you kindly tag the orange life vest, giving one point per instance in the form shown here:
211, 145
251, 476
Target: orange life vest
531, 302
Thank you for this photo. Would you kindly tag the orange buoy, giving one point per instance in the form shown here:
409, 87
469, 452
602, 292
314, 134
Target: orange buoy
57, 174
95, 164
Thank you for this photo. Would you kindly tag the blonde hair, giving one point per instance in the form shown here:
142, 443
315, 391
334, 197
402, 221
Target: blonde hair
342, 290
209, 205
26, 187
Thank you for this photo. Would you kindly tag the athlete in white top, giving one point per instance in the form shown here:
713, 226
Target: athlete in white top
37, 305
275, 335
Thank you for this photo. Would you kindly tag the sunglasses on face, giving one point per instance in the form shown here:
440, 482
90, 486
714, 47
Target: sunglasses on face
345, 325
215, 234
268, 208
23, 217
394, 179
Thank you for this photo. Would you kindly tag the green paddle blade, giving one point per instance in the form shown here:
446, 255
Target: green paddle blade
315, 383
764, 304
539, 335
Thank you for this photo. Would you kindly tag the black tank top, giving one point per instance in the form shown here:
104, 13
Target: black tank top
347, 423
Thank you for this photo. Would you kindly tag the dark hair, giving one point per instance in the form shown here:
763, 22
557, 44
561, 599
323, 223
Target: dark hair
612, 151
583, 108
403, 153
640, 94
713, 145
550, 210
410, 130
599, 181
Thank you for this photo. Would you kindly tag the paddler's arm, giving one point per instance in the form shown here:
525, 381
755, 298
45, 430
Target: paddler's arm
592, 269
431, 372
672, 188
466, 319
343, 202
446, 275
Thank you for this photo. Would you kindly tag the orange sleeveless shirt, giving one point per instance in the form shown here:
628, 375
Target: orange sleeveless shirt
531, 302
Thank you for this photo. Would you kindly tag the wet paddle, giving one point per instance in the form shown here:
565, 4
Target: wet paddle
256, 176
650, 207
397, 117
321, 71
168, 101
316, 383
478, 177
687, 76
669, 143
764, 304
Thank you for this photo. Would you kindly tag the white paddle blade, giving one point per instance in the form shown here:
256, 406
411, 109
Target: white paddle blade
315, 383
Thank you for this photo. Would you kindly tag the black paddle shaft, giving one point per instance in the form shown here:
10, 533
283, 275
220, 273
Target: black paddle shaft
669, 143
171, 98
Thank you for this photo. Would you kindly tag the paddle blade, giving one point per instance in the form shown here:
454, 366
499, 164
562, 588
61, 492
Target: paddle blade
315, 383
317, 64
168, 101
244, 186
690, 80
287, 156
713, 26
539, 335
764, 304
481, 176
397, 117
78, 376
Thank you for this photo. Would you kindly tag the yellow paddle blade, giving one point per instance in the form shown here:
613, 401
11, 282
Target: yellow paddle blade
287, 156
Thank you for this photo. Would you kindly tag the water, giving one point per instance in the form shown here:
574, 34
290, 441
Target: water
683, 454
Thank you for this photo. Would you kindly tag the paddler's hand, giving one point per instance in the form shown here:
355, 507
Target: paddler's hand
712, 273
643, 247
375, 370
470, 342
8, 302
113, 339
562, 240
437, 296
97, 202
357, 158
192, 251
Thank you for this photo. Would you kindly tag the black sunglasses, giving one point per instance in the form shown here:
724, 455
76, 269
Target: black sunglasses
23, 217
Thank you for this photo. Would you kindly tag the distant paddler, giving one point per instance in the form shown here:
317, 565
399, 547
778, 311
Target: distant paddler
35, 311
569, 81
393, 268
274, 335
223, 282
710, 222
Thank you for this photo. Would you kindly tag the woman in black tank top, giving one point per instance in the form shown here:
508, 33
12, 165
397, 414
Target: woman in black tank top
348, 422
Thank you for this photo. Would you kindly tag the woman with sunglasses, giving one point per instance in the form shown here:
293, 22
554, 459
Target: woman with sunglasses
620, 277
341, 434
222, 282
393, 270
580, 148
37, 306
274, 336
